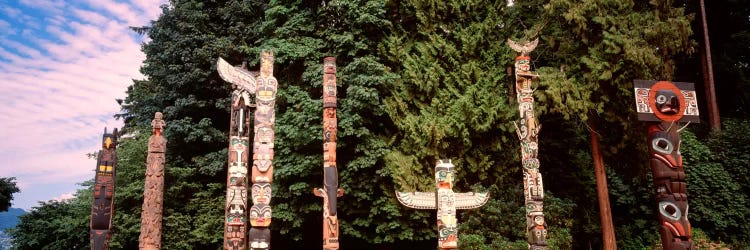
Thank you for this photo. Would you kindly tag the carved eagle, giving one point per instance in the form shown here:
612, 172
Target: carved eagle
417, 200
239, 77
524, 49
424, 200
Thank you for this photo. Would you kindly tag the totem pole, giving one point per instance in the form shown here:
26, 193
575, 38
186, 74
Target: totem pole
102, 208
445, 201
330, 191
663, 104
153, 191
528, 130
263, 85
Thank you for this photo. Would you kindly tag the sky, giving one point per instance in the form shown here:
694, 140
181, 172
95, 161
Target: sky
63, 64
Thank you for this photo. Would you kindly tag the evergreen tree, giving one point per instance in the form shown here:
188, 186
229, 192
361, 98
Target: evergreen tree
186, 41
454, 100
7, 189
593, 51
56, 224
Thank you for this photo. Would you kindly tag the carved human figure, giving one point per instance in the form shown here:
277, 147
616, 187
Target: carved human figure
153, 194
158, 124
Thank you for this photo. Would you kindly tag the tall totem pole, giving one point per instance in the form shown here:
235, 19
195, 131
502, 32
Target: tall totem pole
528, 129
264, 86
445, 201
153, 192
664, 104
102, 208
330, 191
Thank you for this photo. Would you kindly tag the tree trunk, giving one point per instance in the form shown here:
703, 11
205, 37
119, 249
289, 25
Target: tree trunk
713, 109
608, 233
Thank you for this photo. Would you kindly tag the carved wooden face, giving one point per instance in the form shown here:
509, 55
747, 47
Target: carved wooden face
444, 178
106, 163
266, 91
260, 215
667, 102
235, 214
447, 235
264, 135
239, 143
262, 171
329, 88
674, 218
523, 65
261, 193
665, 148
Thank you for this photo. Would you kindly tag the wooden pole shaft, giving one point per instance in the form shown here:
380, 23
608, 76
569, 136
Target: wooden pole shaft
153, 191
713, 109
608, 232
330, 191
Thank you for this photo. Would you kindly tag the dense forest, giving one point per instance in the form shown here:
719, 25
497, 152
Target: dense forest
420, 81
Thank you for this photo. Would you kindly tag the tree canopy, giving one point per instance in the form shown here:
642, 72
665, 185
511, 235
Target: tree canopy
7, 189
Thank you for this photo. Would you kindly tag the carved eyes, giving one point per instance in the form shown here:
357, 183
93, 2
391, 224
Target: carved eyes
447, 231
669, 210
667, 102
661, 99
662, 145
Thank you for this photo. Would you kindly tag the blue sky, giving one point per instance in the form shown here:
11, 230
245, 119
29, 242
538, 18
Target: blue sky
62, 65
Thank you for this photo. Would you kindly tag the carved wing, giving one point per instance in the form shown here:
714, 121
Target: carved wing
238, 76
471, 200
525, 48
418, 200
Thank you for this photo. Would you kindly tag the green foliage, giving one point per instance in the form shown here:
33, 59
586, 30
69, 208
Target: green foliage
501, 222
719, 202
7, 189
56, 224
450, 101
183, 83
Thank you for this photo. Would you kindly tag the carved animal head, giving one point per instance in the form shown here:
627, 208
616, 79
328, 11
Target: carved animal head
667, 102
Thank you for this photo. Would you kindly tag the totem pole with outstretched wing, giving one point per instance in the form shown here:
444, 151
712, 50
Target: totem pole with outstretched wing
445, 201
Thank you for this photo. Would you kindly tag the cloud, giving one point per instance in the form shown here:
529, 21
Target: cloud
63, 197
6, 28
60, 83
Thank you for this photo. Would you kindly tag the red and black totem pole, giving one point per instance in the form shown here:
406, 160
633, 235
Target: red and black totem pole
264, 86
153, 192
664, 105
102, 208
528, 130
330, 191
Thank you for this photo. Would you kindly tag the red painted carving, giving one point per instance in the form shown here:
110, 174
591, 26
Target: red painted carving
665, 104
